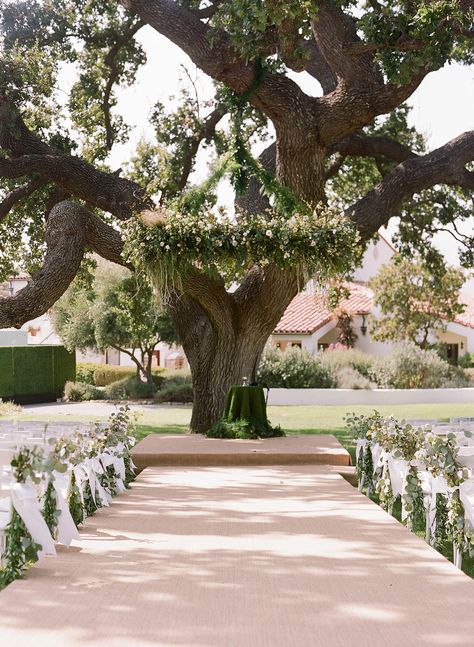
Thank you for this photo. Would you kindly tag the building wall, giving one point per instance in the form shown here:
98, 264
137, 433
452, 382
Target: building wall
11, 337
377, 254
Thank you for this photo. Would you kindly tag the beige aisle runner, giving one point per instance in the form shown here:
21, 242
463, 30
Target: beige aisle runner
241, 557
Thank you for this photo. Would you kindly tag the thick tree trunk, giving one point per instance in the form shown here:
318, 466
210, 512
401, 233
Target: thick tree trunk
225, 362
223, 334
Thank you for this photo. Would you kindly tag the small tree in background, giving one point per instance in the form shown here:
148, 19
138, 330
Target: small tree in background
415, 302
114, 311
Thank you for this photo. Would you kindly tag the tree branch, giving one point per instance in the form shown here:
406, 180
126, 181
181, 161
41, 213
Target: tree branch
19, 194
355, 145
207, 131
275, 94
213, 298
69, 230
445, 165
111, 62
106, 191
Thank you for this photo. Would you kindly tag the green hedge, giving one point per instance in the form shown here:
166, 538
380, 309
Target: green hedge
35, 373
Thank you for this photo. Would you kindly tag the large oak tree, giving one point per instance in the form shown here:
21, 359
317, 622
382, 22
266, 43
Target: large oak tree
60, 196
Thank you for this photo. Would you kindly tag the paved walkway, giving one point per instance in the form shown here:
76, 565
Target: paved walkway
241, 557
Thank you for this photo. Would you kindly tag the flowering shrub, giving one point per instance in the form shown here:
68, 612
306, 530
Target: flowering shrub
338, 357
410, 367
293, 369
166, 244
348, 378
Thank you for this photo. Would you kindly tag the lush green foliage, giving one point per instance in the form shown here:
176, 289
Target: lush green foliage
410, 367
415, 302
85, 372
116, 311
81, 392
106, 374
182, 393
129, 388
244, 429
293, 369
336, 359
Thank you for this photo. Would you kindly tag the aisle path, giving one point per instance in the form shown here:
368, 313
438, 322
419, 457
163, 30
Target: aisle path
234, 557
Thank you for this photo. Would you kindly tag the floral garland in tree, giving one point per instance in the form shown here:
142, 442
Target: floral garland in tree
187, 235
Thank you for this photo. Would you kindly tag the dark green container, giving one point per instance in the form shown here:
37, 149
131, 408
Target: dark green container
30, 374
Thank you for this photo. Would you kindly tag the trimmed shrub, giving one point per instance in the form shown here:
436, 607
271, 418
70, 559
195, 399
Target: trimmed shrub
410, 367
182, 393
293, 369
348, 378
469, 372
85, 372
35, 373
107, 374
337, 359
129, 387
81, 392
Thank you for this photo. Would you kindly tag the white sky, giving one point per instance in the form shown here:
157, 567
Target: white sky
443, 106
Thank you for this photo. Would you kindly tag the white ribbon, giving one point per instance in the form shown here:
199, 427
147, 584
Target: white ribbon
377, 452
360, 446
93, 467
466, 494
67, 530
25, 502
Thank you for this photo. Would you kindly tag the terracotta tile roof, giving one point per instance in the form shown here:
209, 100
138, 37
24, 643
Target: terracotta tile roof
308, 312
467, 317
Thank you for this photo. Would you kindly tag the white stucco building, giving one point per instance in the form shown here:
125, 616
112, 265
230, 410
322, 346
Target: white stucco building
309, 324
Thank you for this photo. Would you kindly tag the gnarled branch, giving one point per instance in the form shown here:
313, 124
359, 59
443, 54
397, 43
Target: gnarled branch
19, 194
445, 165
69, 230
30, 155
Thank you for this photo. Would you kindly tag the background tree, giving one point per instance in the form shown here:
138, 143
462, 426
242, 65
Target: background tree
415, 302
114, 311
61, 198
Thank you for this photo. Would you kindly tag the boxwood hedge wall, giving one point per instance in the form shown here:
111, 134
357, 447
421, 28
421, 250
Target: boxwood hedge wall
35, 373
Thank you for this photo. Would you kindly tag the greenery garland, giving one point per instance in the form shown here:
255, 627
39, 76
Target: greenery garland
129, 473
90, 504
412, 498
384, 490
20, 550
250, 429
74, 501
51, 512
31, 464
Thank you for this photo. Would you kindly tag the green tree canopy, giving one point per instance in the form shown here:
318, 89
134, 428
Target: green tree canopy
113, 311
415, 302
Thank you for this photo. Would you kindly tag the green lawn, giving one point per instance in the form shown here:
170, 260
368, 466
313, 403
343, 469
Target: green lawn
294, 419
